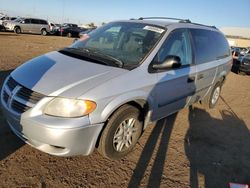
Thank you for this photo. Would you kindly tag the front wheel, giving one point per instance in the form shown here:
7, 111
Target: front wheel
121, 133
17, 30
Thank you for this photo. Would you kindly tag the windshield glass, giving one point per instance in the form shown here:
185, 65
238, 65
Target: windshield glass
126, 42
18, 20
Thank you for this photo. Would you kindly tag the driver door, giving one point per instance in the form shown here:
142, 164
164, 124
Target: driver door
175, 87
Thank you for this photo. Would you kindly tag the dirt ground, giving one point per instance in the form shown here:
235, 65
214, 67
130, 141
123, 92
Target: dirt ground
196, 147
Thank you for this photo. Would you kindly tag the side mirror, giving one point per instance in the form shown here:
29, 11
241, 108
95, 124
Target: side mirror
23, 21
171, 61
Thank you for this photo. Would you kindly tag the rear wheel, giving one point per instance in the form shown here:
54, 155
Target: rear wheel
214, 96
44, 32
17, 30
121, 133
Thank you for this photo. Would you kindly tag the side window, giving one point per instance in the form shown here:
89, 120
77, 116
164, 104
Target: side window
34, 21
209, 45
222, 46
177, 44
27, 21
43, 22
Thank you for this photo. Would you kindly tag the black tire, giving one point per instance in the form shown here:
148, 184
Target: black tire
17, 30
211, 100
107, 146
69, 35
44, 32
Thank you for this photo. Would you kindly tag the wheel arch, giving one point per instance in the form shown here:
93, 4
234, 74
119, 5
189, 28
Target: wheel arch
144, 104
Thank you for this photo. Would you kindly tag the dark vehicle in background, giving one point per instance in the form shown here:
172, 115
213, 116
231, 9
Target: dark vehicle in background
60, 29
244, 65
69, 25
71, 31
240, 60
2, 28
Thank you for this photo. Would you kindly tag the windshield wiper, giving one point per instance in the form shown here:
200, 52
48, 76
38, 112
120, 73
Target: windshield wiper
97, 55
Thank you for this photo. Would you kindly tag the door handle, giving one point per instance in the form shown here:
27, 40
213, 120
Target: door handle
191, 79
200, 76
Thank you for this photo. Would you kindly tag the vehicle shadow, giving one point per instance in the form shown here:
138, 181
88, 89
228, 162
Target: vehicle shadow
162, 129
9, 143
218, 149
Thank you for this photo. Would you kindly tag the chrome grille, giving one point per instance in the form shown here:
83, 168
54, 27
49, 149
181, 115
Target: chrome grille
19, 107
19, 98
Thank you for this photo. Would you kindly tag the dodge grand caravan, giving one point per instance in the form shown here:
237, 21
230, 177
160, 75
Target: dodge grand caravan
28, 25
103, 90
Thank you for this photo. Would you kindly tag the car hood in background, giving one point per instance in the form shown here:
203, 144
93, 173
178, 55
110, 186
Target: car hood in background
55, 74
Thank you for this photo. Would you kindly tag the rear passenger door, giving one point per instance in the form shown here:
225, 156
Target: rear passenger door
35, 26
175, 87
210, 49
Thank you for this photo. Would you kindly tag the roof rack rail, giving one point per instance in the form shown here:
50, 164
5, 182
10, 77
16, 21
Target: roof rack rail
166, 18
178, 19
212, 26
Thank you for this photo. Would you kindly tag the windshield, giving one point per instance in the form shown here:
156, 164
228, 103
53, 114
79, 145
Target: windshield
125, 42
18, 20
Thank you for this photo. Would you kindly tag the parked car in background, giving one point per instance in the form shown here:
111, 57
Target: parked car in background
103, 91
60, 29
54, 28
6, 18
244, 66
29, 25
2, 28
71, 31
9, 25
69, 25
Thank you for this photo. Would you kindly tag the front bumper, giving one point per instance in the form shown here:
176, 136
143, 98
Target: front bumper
52, 135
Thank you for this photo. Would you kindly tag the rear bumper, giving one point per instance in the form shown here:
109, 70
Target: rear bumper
46, 133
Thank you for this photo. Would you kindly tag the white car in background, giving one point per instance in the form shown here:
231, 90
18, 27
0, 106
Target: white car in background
5, 19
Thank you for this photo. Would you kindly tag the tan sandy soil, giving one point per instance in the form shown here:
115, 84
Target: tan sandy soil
194, 148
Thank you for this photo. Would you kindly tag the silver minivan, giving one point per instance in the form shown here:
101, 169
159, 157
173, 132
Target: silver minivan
29, 25
103, 90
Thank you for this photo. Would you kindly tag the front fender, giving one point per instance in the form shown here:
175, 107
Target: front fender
120, 100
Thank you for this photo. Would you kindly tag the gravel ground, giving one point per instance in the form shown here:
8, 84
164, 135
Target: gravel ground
195, 147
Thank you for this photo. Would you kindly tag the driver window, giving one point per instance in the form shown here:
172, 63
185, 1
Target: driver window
27, 21
177, 44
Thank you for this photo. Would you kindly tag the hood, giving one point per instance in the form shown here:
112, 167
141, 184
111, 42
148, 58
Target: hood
55, 74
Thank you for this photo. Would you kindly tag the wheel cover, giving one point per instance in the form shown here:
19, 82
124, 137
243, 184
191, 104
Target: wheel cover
125, 135
216, 95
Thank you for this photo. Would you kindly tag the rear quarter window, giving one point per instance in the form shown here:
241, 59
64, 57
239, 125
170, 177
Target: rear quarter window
43, 22
209, 45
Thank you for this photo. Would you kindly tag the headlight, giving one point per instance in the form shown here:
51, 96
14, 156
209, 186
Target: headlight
63, 107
